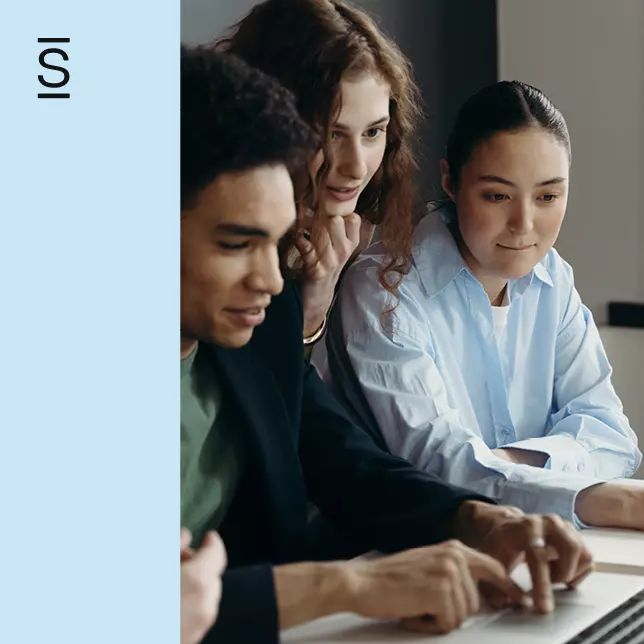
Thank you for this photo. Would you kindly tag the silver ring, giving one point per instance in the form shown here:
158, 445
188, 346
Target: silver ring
539, 542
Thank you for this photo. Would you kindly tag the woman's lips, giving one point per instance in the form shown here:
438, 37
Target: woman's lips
343, 194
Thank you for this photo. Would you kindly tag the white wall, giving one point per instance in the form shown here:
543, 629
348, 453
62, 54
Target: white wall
588, 56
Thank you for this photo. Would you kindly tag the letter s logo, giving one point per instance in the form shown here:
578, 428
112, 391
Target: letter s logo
57, 68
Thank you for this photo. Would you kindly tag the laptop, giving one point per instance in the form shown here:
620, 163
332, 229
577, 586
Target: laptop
607, 608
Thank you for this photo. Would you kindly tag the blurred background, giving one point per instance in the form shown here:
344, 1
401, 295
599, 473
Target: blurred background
588, 57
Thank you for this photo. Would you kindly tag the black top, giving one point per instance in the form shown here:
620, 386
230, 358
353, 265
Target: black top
302, 447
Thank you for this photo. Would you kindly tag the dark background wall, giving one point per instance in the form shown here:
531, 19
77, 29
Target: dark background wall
452, 45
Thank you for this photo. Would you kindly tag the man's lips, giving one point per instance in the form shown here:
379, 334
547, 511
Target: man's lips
248, 316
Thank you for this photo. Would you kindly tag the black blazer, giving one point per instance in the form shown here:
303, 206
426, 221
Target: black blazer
302, 447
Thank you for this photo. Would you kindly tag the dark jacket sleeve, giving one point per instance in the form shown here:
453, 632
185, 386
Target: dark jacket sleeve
375, 499
248, 608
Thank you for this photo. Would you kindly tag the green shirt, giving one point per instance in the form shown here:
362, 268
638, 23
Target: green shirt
212, 452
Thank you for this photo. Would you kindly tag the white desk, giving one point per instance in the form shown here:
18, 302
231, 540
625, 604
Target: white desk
620, 551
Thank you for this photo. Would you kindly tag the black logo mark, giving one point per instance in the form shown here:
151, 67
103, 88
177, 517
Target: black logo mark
58, 68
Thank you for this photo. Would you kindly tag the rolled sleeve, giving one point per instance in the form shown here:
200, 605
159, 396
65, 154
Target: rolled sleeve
564, 453
590, 433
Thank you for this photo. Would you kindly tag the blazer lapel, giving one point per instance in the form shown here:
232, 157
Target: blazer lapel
251, 387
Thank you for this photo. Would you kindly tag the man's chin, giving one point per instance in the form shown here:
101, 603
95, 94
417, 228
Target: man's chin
234, 339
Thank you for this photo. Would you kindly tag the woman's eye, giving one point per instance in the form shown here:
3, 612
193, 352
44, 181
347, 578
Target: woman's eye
336, 135
374, 132
495, 196
549, 198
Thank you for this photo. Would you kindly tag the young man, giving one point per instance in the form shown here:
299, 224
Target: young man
260, 433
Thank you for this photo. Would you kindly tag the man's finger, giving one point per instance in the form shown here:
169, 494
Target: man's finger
186, 538
586, 567
576, 582
187, 554
470, 590
422, 625
485, 568
212, 554
537, 558
569, 546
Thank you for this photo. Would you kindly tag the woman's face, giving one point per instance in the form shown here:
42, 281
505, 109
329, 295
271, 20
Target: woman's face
357, 146
511, 199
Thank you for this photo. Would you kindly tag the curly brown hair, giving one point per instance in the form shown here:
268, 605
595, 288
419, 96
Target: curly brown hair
310, 46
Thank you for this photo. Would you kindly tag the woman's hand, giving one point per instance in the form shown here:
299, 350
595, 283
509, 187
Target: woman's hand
325, 251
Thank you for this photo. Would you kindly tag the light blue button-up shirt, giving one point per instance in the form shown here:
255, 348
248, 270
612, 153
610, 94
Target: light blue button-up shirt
445, 390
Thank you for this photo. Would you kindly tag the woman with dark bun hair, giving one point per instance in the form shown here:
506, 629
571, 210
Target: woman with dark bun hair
490, 372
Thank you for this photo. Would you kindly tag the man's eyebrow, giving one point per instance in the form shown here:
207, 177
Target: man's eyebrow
380, 121
241, 231
493, 178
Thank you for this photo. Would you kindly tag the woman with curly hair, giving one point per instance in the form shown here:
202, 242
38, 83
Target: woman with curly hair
353, 85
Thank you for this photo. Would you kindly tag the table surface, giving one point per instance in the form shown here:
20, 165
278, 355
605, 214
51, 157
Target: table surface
616, 550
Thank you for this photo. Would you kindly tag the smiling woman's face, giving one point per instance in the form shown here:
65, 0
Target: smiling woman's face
358, 142
511, 199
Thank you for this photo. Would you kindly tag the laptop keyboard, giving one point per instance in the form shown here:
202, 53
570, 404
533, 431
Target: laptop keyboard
625, 625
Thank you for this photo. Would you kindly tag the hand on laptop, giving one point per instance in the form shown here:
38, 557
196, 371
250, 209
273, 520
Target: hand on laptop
200, 585
552, 548
431, 589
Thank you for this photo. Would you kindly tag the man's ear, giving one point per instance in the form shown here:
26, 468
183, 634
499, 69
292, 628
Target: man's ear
446, 180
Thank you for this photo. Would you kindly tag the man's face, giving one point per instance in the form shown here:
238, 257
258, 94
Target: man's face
229, 254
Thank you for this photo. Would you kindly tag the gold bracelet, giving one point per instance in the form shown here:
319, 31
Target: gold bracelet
312, 339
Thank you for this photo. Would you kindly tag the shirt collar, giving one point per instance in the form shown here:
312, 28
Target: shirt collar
438, 260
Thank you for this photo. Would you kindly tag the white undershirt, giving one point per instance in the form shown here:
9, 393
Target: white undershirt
500, 315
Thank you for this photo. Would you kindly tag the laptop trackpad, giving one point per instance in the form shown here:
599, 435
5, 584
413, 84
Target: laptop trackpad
565, 622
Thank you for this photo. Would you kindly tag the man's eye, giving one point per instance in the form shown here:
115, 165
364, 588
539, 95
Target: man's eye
227, 246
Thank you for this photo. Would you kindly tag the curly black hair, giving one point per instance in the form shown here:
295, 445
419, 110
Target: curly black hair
234, 118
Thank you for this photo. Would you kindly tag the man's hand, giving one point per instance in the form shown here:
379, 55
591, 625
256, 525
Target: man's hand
616, 504
325, 251
432, 589
200, 585
511, 537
